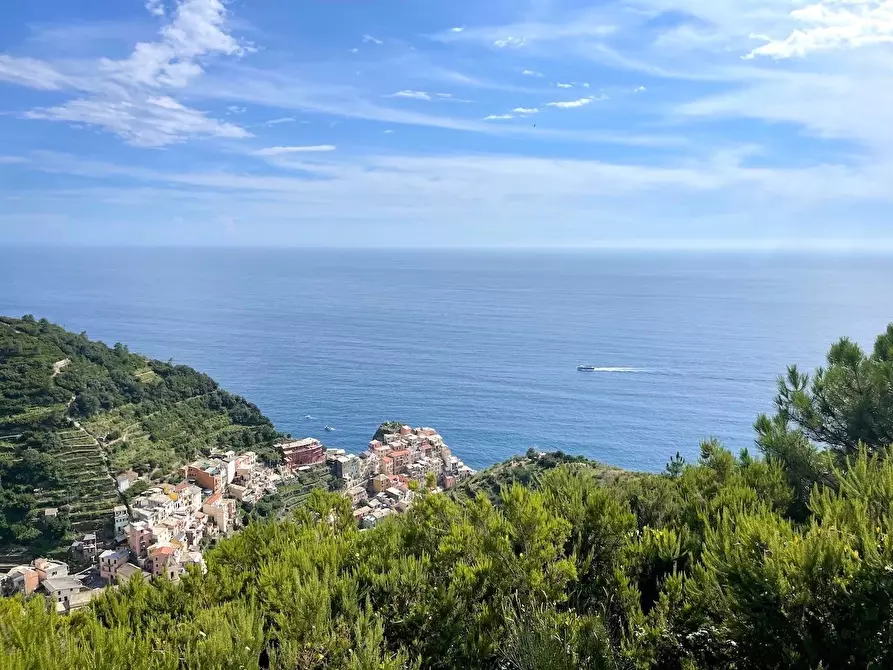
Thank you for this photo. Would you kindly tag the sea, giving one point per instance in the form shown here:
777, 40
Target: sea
481, 345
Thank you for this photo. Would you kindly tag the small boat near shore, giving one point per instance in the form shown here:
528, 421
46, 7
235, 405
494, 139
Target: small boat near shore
329, 429
586, 368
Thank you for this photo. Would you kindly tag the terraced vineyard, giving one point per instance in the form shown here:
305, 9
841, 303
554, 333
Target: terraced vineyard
74, 412
88, 489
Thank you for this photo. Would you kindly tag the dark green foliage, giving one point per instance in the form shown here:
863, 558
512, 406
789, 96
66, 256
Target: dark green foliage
744, 562
847, 403
564, 577
70, 407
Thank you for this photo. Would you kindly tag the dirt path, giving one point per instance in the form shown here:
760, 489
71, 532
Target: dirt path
59, 366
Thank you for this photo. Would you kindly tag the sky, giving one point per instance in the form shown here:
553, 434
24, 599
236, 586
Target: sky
692, 124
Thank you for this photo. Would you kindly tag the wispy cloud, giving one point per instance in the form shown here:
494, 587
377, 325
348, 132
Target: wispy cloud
132, 97
531, 73
498, 117
525, 110
510, 42
412, 95
588, 24
570, 104
284, 119
457, 29
154, 122
369, 39
559, 85
32, 73
281, 151
437, 189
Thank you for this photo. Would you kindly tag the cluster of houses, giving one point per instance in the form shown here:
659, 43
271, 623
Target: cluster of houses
161, 534
164, 529
379, 481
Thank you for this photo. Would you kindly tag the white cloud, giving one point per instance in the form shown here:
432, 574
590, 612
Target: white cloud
155, 7
31, 73
585, 85
570, 104
369, 39
284, 119
412, 95
639, 89
354, 50
388, 132
831, 25
281, 151
130, 97
531, 73
564, 85
498, 117
510, 42
235, 109
457, 29
153, 122
525, 110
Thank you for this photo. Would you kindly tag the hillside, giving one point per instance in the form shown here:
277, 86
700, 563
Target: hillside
529, 469
776, 561
74, 412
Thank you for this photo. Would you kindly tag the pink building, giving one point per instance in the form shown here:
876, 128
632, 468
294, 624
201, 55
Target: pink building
308, 451
139, 537
387, 465
163, 561
401, 459
110, 560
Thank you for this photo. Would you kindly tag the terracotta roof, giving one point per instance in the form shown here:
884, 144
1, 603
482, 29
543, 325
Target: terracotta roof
164, 551
212, 500
400, 453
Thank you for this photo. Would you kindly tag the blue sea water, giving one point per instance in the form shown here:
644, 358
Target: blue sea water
481, 345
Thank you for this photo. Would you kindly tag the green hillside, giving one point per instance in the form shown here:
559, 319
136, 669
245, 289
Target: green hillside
74, 412
773, 561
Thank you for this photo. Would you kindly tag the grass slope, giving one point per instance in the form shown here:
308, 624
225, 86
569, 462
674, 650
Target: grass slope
74, 412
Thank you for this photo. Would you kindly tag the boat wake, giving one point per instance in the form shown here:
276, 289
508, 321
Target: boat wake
591, 368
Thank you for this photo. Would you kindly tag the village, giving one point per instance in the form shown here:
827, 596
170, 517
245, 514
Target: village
166, 528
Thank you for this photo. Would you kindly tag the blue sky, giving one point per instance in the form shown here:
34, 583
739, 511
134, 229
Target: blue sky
630, 123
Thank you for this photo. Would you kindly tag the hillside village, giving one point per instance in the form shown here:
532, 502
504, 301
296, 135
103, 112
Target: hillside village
166, 528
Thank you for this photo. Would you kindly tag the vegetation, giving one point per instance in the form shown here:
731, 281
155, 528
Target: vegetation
74, 412
742, 562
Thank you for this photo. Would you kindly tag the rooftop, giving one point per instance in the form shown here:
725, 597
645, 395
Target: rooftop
62, 584
127, 571
300, 444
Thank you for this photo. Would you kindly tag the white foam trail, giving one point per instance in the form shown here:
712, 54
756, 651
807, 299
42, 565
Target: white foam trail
616, 369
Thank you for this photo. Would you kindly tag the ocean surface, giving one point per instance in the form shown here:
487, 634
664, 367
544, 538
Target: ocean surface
483, 346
